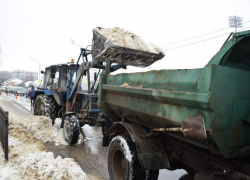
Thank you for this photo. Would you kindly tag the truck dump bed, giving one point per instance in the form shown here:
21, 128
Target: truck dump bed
219, 92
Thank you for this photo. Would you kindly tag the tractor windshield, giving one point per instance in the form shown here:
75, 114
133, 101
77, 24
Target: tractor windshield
66, 74
84, 85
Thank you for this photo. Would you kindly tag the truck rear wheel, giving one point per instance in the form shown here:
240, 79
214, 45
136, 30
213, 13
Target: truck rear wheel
45, 106
152, 174
71, 130
123, 161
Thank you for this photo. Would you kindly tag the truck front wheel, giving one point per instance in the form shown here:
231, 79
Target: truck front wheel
71, 130
123, 161
45, 106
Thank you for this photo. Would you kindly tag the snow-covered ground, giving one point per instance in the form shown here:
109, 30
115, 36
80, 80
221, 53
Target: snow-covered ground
41, 129
29, 158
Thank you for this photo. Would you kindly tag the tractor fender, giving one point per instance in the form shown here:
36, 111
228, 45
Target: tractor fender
150, 149
46, 92
39, 91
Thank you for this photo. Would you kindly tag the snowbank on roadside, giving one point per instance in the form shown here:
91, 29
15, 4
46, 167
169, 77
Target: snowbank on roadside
42, 128
28, 160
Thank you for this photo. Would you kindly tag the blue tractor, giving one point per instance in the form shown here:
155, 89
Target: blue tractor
69, 91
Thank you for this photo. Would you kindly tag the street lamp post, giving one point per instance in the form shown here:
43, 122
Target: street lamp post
31, 58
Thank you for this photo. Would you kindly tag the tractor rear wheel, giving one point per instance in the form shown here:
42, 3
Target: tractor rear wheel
45, 106
71, 130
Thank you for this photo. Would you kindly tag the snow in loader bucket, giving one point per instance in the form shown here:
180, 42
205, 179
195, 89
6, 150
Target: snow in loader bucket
123, 47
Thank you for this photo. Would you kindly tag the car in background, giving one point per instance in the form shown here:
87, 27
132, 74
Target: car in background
9, 89
20, 91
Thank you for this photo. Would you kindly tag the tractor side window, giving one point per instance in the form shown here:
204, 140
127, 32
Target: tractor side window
46, 79
49, 82
55, 80
64, 79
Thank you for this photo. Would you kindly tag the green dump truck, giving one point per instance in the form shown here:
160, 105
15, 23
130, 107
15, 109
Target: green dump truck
195, 119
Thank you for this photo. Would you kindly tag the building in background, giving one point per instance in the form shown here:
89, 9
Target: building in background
10, 78
24, 75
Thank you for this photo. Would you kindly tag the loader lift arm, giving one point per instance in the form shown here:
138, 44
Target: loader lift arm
83, 68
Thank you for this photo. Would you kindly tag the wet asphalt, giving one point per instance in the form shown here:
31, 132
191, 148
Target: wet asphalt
89, 154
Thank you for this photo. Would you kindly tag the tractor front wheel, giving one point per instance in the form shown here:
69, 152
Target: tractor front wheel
71, 130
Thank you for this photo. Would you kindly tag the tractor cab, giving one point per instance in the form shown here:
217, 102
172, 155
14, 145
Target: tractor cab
50, 96
55, 81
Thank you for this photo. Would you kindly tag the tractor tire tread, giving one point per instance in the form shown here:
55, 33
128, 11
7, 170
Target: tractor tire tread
72, 123
49, 106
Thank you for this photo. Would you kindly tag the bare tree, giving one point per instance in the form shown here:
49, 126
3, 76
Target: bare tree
0, 55
4, 75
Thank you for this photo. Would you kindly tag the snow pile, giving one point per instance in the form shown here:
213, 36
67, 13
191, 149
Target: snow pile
1, 99
42, 128
127, 39
27, 160
28, 156
127, 85
21, 134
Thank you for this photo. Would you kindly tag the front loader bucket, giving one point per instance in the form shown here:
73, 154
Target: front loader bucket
103, 48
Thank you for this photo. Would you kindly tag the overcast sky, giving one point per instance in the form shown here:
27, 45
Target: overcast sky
42, 29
